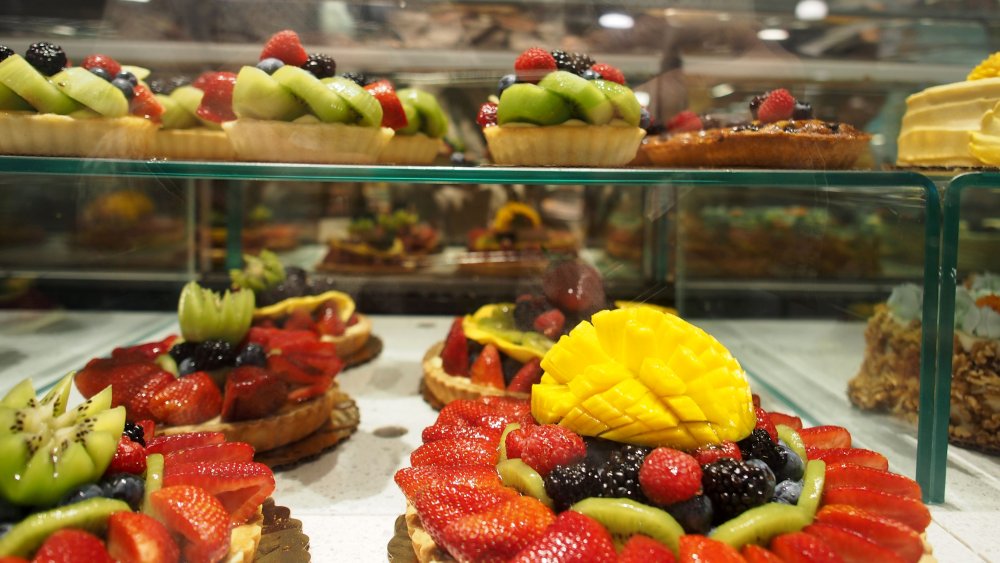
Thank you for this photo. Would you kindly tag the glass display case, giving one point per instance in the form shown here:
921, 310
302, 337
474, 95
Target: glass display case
798, 273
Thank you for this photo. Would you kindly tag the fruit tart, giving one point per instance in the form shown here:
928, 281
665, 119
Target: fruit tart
782, 134
292, 107
265, 386
85, 484
562, 109
191, 124
642, 443
418, 120
50, 108
388, 243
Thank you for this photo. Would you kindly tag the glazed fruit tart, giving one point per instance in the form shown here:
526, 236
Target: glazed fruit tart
642, 442
387, 243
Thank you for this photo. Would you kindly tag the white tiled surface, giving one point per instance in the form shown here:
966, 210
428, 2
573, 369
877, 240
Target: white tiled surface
348, 502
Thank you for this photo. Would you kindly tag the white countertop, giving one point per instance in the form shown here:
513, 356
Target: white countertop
348, 502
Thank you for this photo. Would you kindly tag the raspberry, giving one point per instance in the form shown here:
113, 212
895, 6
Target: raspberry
320, 65
668, 476
487, 115
533, 64
286, 47
777, 106
684, 121
734, 487
609, 73
102, 61
550, 445
715, 452
764, 421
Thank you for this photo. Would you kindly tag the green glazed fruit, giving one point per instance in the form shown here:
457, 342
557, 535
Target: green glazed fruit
528, 103
624, 518
324, 103
760, 524
18, 75
91, 515
359, 99
92, 91
588, 102
626, 105
432, 120
206, 315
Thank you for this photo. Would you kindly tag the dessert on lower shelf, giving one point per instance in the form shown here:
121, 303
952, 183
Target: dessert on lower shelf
781, 134
889, 377
388, 243
642, 442
517, 243
127, 220
85, 484
562, 109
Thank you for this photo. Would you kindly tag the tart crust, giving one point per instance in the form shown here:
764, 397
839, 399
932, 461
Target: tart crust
244, 539
447, 388
199, 143
410, 149
563, 145
48, 134
320, 143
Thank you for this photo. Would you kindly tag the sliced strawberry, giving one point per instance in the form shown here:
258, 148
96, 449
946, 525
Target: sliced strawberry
764, 421
533, 64
715, 452
852, 547
412, 480
756, 554
291, 371
393, 115
217, 102
518, 409
134, 537
529, 374
187, 400
197, 517
486, 370
800, 547
310, 391
218, 453
144, 104
452, 452
286, 47
890, 534
685, 121
487, 116
826, 437
130, 457
498, 532
167, 444
699, 548
241, 486
906, 510
572, 537
644, 549
300, 319
328, 321
118, 373
856, 456
550, 323
442, 431
482, 414
609, 73
549, 445
439, 505
455, 354
793, 422
252, 392
105, 62
147, 351
851, 475
70, 545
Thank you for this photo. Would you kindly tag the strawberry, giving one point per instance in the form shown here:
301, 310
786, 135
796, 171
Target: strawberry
166, 444
252, 392
793, 422
695, 548
715, 452
440, 505
533, 64
130, 457
123, 375
187, 400
328, 321
147, 351
529, 374
464, 412
643, 549
217, 103
684, 121
139, 393
515, 441
442, 431
519, 409
240, 485
144, 104
300, 319
486, 370
856, 456
134, 537
800, 547
668, 476
851, 546
498, 532
826, 437
105, 62
13, 559
755, 398
549, 445
222, 452
573, 538
550, 323
888, 533
609, 73
455, 451
851, 475
286, 47
70, 545
777, 106
197, 517
412, 480
148, 429
393, 115
487, 116
906, 510
756, 554
455, 354
764, 421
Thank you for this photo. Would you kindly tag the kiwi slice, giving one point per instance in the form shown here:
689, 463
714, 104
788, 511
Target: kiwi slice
413, 121
503, 439
326, 104
791, 438
527, 103
812, 487
760, 524
587, 99
18, 75
360, 100
626, 105
174, 115
188, 97
433, 121
10, 101
258, 95
206, 315
154, 479
91, 515
92, 91
140, 72
260, 273
519, 475
624, 518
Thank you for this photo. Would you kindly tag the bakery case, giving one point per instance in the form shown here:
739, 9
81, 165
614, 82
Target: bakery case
784, 267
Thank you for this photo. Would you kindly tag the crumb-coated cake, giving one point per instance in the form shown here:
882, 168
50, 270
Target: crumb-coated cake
889, 377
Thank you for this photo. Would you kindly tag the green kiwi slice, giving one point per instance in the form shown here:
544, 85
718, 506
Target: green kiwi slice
413, 120
206, 315
324, 103
140, 72
154, 479
258, 95
760, 524
18, 75
519, 475
174, 115
10, 101
812, 486
27, 536
433, 121
624, 518
626, 105
360, 100
791, 438
528, 103
92, 91
587, 99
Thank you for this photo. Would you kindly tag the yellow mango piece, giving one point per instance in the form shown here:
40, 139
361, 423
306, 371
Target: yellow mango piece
583, 423
685, 409
685, 364
702, 432
660, 379
550, 403
640, 343
599, 408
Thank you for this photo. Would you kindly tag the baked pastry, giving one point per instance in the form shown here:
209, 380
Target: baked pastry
889, 376
291, 107
124, 220
516, 244
643, 437
388, 243
188, 131
562, 109
421, 138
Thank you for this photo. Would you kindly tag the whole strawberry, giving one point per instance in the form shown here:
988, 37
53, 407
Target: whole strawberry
715, 452
534, 64
668, 476
778, 105
608, 72
286, 47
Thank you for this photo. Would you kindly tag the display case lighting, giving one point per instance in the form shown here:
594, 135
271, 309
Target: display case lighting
616, 20
811, 10
772, 34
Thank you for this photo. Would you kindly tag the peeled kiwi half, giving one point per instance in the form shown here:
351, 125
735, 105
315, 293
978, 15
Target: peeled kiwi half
625, 518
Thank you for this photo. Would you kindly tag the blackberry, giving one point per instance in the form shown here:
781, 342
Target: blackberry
803, 110
270, 64
568, 484
181, 351
359, 78
166, 86
526, 309
47, 58
251, 355
755, 105
212, 354
621, 473
126, 487
321, 65
764, 470
734, 487
5, 52
758, 445
135, 433
577, 63
693, 514
10, 512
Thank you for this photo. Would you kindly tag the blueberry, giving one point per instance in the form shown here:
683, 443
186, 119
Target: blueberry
803, 110
5, 52
270, 64
788, 492
126, 75
506, 81
792, 466
125, 86
590, 74
693, 514
458, 159
186, 367
212, 354
125, 486
251, 355
135, 433
83, 492
99, 71
11, 512
768, 474
645, 120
